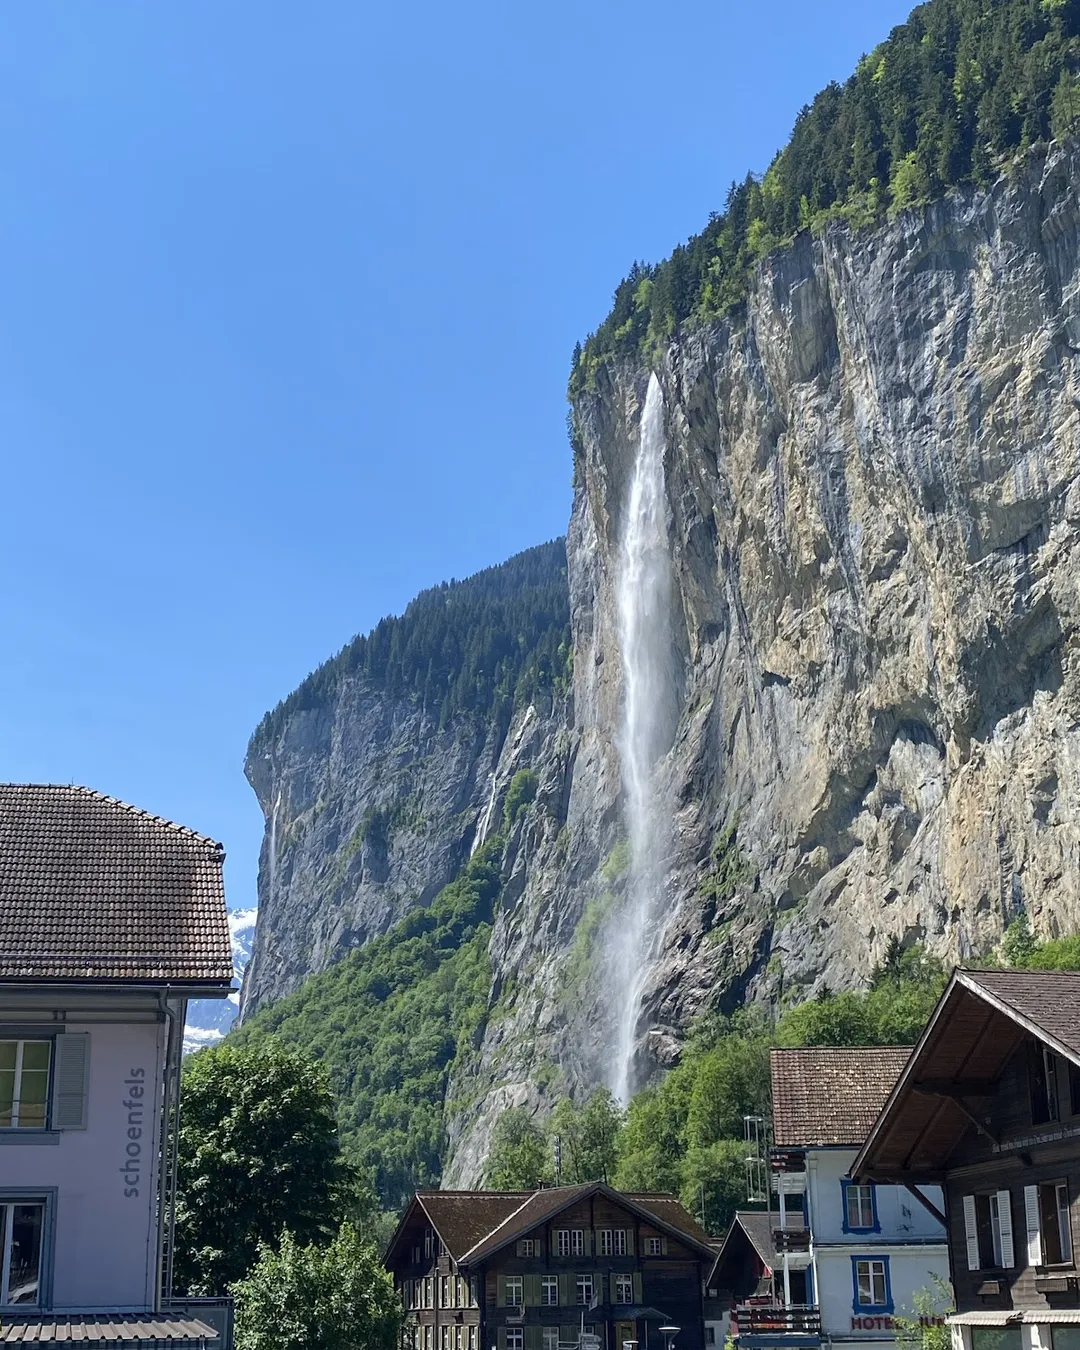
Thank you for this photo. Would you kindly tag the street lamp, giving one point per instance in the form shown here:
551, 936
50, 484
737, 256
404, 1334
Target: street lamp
669, 1334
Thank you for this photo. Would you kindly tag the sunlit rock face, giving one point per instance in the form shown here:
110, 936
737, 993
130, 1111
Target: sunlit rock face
871, 487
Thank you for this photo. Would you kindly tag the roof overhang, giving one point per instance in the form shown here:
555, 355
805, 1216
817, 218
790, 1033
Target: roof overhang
970, 1038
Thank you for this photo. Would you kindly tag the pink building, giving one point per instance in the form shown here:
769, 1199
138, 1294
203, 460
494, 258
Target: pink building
110, 920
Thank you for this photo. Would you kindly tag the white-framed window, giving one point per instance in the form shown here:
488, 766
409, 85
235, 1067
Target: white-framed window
570, 1241
859, 1207
623, 1289
515, 1338
515, 1291
551, 1338
527, 1247
654, 1246
871, 1282
1049, 1225
584, 1290
612, 1242
22, 1232
577, 1242
459, 1336
474, 1291
549, 1291
988, 1230
429, 1337
444, 1291
472, 1337
24, 1084
444, 1338
427, 1244
562, 1241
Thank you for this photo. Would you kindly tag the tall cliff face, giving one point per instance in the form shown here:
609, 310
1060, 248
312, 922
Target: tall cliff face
874, 509
872, 479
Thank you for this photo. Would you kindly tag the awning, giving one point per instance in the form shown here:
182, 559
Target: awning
130, 1330
986, 1317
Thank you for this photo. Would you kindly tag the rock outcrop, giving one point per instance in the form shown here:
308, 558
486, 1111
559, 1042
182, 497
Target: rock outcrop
872, 477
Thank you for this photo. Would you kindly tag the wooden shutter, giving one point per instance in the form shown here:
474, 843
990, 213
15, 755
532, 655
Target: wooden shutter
501, 1338
566, 1294
500, 1297
629, 1242
639, 1298
533, 1337
971, 1232
1008, 1257
598, 1287
532, 1291
588, 1244
70, 1082
663, 1246
1034, 1232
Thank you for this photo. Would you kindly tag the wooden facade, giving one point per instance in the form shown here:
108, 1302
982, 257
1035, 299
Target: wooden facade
596, 1264
989, 1107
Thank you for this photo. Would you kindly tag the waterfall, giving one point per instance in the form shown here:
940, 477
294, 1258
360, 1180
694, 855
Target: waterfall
643, 606
271, 860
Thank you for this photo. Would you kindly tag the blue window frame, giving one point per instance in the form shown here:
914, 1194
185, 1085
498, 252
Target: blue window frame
871, 1283
860, 1208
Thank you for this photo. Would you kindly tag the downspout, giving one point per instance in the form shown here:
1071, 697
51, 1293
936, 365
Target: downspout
168, 1150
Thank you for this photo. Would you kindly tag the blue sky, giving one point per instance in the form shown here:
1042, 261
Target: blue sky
287, 303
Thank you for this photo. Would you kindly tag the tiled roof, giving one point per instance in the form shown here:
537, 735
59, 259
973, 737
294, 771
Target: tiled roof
831, 1096
671, 1211
91, 888
539, 1206
758, 1225
464, 1218
127, 1329
1048, 999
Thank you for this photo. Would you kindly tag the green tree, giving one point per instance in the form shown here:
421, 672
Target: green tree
258, 1153
713, 1183
518, 1158
588, 1137
335, 1296
730, 1081
1018, 945
925, 1328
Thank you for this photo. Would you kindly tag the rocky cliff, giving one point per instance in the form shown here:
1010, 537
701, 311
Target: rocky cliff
874, 509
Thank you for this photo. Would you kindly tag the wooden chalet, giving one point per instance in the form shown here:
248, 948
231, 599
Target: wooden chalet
564, 1268
743, 1272
989, 1108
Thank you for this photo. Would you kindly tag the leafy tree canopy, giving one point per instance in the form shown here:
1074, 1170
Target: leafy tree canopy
946, 99
310, 1297
518, 1159
258, 1153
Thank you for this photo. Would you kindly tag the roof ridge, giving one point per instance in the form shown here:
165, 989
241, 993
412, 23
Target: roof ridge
139, 811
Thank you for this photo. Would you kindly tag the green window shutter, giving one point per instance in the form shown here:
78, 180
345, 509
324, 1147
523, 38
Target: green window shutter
569, 1333
663, 1246
532, 1338
639, 1297
70, 1074
565, 1291
629, 1242
532, 1291
553, 1246
501, 1297
590, 1242
501, 1338
598, 1287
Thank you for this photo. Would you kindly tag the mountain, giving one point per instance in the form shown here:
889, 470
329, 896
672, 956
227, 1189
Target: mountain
208, 1019
820, 694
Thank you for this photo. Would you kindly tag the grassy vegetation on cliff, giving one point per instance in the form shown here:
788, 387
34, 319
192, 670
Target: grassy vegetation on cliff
391, 1020
946, 99
476, 646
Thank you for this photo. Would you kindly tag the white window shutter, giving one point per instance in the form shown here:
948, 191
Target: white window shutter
1034, 1235
1008, 1256
971, 1232
71, 1076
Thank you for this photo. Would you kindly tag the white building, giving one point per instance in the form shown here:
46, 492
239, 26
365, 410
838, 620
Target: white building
846, 1258
110, 920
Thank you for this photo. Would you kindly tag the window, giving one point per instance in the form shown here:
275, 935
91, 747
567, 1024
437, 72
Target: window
710, 1335
1065, 1337
515, 1338
444, 1338
612, 1242
549, 1291
624, 1289
472, 1337
444, 1291
21, 1226
527, 1247
24, 1084
577, 1242
427, 1244
989, 1231
474, 1291
562, 1241
860, 1212
515, 1291
584, 1290
429, 1333
459, 1336
462, 1291
654, 1246
569, 1241
551, 1338
1049, 1081
871, 1283
1049, 1229
996, 1338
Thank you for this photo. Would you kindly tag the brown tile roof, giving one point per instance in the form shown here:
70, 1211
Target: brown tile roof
662, 1209
463, 1218
91, 888
104, 1329
1049, 1000
758, 1227
829, 1095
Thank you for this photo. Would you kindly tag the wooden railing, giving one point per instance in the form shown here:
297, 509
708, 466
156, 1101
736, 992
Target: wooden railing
793, 1319
791, 1239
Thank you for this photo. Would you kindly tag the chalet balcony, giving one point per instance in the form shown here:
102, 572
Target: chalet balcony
791, 1239
774, 1321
